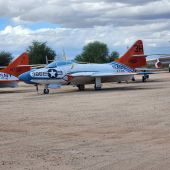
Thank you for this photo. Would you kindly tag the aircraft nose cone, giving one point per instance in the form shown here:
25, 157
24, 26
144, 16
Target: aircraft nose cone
25, 77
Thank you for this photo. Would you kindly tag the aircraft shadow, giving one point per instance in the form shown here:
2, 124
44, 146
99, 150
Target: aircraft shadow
137, 85
16, 91
150, 81
104, 90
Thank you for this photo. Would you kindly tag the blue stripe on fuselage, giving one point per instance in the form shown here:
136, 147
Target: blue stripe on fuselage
117, 65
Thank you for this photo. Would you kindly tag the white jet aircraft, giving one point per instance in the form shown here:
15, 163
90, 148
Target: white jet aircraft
71, 73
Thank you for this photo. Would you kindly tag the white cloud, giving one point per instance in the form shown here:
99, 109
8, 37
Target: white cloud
117, 23
73, 39
88, 13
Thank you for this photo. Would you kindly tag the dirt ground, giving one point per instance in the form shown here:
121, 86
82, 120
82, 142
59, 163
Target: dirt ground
122, 127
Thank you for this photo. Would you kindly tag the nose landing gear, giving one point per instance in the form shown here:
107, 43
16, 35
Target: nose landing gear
46, 90
36, 88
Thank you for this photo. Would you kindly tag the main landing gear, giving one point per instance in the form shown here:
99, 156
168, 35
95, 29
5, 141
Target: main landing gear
98, 84
133, 78
145, 77
81, 87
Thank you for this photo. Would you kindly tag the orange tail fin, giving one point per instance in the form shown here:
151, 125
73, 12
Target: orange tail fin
131, 58
18, 65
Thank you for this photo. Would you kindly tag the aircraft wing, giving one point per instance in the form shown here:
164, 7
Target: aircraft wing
146, 73
147, 69
165, 60
34, 65
100, 74
112, 74
162, 57
146, 55
89, 77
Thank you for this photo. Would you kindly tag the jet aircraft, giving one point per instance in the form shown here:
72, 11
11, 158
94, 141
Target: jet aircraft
162, 61
9, 75
60, 73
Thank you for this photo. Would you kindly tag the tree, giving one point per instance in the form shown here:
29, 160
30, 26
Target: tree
38, 52
5, 58
113, 56
94, 52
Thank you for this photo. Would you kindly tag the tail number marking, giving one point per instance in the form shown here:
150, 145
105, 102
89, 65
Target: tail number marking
138, 48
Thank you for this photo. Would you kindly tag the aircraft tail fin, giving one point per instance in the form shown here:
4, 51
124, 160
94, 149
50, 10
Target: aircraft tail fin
134, 57
18, 66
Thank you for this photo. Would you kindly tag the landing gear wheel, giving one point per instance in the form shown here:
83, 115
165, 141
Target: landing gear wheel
133, 79
143, 78
46, 91
81, 87
98, 84
97, 88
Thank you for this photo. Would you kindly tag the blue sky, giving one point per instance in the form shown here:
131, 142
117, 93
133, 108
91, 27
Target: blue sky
71, 24
4, 22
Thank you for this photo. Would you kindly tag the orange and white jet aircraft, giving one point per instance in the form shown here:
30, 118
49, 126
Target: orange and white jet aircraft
9, 75
162, 61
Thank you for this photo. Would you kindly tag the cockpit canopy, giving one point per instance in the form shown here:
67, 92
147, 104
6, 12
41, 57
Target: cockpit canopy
59, 63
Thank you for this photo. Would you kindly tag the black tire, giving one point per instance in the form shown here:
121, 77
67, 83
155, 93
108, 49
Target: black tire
46, 91
81, 87
143, 78
133, 79
97, 88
